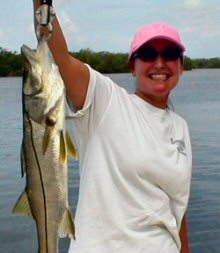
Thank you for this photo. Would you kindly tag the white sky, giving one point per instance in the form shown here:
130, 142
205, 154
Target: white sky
103, 25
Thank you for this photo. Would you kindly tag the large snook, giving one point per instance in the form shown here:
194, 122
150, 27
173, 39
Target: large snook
44, 149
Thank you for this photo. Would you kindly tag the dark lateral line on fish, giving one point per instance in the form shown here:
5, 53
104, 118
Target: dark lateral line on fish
42, 185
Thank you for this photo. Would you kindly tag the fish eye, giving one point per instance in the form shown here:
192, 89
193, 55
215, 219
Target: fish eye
50, 121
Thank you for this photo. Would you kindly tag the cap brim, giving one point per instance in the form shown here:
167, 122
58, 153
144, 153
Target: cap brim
179, 45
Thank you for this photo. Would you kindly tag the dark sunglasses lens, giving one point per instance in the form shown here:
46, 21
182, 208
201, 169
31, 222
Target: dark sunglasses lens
151, 54
148, 54
171, 54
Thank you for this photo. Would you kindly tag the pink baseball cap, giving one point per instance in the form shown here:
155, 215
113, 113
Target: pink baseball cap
157, 30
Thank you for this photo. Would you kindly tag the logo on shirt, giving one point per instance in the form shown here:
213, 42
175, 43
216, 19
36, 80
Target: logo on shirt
180, 144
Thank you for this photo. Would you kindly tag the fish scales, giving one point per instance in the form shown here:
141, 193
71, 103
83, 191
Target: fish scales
44, 150
46, 186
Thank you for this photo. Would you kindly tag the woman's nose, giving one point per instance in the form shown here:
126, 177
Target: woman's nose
159, 62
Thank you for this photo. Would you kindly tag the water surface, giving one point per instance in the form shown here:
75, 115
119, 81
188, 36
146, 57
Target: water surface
196, 99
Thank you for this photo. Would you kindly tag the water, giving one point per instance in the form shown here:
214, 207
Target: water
196, 99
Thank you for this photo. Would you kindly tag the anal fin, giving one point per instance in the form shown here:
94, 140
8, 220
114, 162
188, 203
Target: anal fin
22, 206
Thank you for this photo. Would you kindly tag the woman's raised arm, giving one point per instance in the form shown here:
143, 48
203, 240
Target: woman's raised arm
74, 73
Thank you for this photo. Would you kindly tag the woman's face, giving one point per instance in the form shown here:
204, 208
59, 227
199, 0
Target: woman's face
156, 78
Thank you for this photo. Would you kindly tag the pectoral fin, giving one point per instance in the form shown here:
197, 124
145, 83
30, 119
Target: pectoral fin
63, 150
22, 206
67, 227
71, 147
47, 137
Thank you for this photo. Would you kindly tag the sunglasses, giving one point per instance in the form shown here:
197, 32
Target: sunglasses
150, 54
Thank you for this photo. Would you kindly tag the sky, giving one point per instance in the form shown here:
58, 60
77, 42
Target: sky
102, 25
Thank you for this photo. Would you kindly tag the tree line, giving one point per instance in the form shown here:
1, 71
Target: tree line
105, 62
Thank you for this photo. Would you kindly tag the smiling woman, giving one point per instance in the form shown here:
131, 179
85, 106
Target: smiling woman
135, 178
157, 74
156, 59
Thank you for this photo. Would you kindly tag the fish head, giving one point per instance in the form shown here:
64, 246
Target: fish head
32, 72
42, 84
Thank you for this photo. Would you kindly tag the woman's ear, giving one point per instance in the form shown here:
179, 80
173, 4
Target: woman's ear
131, 67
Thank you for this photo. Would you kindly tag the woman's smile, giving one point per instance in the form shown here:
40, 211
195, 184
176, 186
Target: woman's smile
159, 76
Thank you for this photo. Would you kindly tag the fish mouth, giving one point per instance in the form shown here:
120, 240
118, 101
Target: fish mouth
25, 49
29, 54
30, 60
159, 76
27, 89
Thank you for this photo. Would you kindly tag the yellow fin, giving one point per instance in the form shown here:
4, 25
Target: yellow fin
22, 206
63, 151
67, 227
47, 138
71, 147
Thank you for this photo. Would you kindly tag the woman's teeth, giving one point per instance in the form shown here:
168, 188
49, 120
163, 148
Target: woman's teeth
161, 77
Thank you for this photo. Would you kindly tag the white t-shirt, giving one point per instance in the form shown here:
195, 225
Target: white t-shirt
135, 171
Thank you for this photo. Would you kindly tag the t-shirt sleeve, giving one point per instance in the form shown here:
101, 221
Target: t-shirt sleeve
98, 98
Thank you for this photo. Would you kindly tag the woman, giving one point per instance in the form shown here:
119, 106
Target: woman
135, 154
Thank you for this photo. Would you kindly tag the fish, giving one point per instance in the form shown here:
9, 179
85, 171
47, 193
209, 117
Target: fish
44, 151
